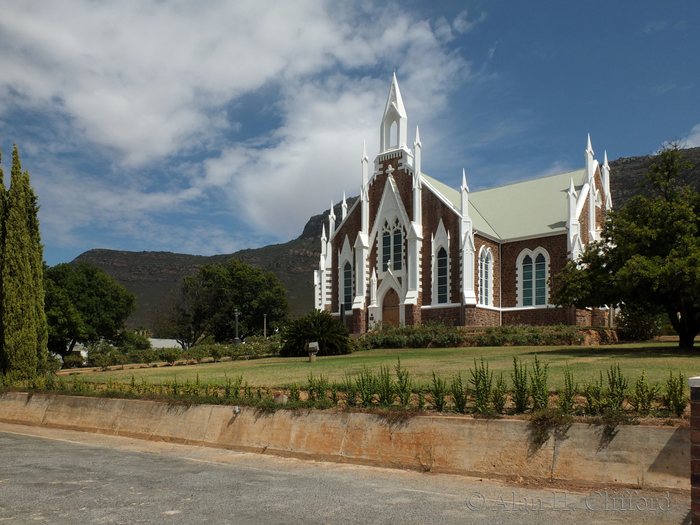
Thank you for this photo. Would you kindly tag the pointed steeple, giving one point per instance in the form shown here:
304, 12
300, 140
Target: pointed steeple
344, 208
464, 186
590, 162
464, 192
605, 175
394, 115
331, 221
324, 245
418, 159
365, 166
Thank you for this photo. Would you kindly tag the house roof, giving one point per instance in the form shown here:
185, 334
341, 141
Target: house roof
522, 209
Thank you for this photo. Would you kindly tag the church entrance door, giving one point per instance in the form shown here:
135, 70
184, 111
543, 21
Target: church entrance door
390, 308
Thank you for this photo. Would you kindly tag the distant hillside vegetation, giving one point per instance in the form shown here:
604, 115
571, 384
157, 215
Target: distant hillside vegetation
153, 276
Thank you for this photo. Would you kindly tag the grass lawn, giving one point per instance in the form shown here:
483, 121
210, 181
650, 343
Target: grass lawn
657, 359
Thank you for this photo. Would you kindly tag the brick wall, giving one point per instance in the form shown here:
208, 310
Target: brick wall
538, 316
413, 314
555, 246
434, 210
449, 315
694, 383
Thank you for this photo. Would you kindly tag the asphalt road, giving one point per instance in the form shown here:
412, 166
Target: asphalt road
63, 477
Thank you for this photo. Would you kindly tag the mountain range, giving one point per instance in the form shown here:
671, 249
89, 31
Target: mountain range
154, 276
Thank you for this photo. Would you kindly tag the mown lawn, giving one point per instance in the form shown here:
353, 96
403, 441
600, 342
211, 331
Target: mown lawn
586, 362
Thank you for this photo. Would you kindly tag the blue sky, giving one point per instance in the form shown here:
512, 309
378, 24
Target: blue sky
211, 127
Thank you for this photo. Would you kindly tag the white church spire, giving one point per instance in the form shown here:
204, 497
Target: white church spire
331, 222
393, 129
466, 235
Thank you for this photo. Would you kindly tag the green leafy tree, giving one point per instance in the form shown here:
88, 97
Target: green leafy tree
332, 336
649, 254
24, 331
207, 304
84, 305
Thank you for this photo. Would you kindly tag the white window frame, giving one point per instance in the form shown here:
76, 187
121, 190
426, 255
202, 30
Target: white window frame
485, 297
391, 227
440, 240
345, 256
520, 278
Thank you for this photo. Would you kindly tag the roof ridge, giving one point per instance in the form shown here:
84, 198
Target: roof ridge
528, 180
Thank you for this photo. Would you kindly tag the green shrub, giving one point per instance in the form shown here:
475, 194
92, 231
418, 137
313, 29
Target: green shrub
642, 399
386, 388
419, 340
498, 394
449, 340
169, 355
439, 393
332, 336
128, 340
538, 385
617, 388
318, 387
295, 393
566, 397
459, 394
365, 386
595, 399
481, 382
637, 323
73, 361
404, 384
350, 389
674, 399
521, 394
195, 353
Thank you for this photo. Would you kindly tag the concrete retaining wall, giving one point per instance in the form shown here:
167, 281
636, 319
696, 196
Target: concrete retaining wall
645, 456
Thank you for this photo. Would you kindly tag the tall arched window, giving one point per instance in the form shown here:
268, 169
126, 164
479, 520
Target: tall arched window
533, 278
527, 281
392, 245
540, 280
485, 277
442, 292
347, 287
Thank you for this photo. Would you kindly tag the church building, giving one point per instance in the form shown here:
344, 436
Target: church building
412, 249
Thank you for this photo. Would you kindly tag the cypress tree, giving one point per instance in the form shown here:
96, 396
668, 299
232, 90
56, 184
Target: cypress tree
19, 315
36, 253
3, 215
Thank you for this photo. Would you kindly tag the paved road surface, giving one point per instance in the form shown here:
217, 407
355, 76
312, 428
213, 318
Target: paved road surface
63, 477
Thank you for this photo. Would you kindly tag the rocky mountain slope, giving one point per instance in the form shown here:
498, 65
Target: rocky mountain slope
153, 276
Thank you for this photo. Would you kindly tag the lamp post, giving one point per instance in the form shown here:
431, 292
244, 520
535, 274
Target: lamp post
265, 326
236, 341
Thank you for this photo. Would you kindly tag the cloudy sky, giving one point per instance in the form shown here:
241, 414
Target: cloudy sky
209, 127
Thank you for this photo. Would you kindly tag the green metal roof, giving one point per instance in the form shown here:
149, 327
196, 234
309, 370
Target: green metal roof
522, 209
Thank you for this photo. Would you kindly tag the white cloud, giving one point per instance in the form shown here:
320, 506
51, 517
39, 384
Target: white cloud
655, 26
150, 91
693, 139
462, 25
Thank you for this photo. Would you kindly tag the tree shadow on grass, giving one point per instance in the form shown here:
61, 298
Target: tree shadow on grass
646, 352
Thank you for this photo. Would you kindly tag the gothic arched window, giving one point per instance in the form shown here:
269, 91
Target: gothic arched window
392, 245
347, 287
485, 277
532, 285
442, 292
